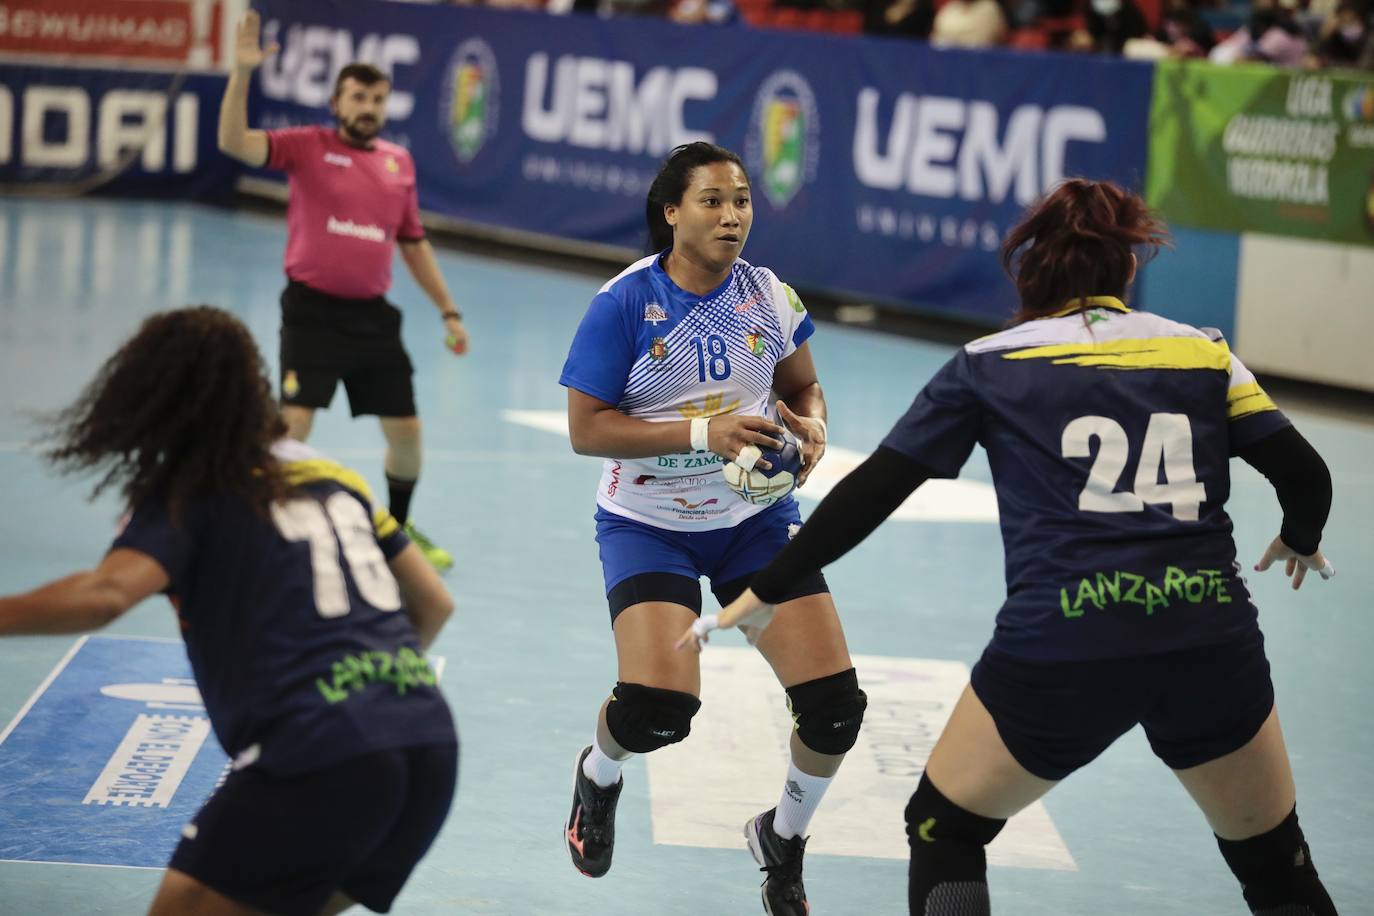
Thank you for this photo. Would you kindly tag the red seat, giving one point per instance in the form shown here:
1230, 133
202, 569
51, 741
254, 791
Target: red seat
848, 22
1029, 39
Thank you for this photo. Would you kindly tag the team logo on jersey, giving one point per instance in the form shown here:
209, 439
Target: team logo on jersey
756, 342
290, 384
783, 143
713, 406
471, 98
658, 349
653, 313
392, 165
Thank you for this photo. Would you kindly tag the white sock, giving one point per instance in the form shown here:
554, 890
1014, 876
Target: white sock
800, 797
601, 769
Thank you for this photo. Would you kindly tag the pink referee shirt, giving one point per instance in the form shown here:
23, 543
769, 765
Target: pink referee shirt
346, 209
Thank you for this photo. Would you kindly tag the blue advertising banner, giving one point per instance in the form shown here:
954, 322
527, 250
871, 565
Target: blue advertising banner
84, 129
883, 168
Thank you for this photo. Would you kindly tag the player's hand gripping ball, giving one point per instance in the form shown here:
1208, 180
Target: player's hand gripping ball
765, 487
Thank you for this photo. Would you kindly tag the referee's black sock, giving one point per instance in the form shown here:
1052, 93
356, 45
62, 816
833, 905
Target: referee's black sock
400, 491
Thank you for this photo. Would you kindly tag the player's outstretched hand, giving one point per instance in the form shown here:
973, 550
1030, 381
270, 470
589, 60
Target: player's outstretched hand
248, 50
730, 433
1296, 565
747, 612
457, 335
810, 434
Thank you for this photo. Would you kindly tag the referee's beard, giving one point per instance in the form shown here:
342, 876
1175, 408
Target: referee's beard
361, 130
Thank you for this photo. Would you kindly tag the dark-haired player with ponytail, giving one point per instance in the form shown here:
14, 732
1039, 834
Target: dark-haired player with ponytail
670, 374
305, 611
1108, 432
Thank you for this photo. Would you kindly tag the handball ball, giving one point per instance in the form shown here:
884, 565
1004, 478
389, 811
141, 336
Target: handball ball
765, 487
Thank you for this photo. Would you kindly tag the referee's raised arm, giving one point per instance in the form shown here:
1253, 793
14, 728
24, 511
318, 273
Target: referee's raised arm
250, 147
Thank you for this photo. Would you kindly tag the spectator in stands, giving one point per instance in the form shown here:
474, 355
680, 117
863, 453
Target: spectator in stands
1272, 35
908, 18
1185, 32
1345, 37
1108, 25
969, 24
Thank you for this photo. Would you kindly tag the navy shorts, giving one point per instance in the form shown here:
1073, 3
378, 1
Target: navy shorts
1195, 705
285, 845
643, 563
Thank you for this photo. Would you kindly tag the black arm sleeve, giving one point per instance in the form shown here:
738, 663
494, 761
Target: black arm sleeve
1302, 482
858, 504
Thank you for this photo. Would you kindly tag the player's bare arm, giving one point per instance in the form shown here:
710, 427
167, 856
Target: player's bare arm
597, 428
802, 405
85, 600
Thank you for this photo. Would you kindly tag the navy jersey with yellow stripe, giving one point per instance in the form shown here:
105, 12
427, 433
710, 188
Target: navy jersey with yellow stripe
1108, 432
293, 625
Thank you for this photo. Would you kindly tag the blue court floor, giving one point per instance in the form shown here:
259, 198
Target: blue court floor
529, 654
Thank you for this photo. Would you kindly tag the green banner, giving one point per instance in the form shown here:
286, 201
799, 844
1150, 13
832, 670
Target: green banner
1250, 148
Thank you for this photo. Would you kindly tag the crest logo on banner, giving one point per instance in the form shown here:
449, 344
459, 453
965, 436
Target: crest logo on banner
471, 98
784, 136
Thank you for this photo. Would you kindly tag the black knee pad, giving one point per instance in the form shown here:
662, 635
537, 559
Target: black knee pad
643, 719
1276, 872
949, 866
828, 711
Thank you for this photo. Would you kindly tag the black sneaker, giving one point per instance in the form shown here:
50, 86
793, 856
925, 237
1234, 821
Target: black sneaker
590, 830
783, 891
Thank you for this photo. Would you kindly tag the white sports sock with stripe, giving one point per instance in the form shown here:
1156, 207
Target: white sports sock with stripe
801, 795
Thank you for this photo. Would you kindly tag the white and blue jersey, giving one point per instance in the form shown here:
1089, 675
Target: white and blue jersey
660, 353
1108, 432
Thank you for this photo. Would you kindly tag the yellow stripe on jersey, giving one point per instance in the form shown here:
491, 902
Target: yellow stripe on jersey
1244, 400
1139, 353
1089, 302
317, 469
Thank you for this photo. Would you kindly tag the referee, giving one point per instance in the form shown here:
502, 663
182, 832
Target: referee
352, 197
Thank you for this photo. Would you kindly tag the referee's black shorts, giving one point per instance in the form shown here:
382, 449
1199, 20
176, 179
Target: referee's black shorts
327, 339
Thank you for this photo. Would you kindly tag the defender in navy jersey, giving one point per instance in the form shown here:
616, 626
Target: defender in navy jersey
305, 610
671, 374
1109, 433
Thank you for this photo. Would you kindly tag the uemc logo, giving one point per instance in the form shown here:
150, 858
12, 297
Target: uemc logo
783, 146
947, 147
599, 104
471, 98
312, 55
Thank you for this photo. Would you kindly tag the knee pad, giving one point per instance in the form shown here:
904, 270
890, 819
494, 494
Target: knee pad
949, 866
643, 719
1276, 873
828, 712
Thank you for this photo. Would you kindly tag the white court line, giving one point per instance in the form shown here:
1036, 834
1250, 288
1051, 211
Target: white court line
86, 864
935, 501
47, 682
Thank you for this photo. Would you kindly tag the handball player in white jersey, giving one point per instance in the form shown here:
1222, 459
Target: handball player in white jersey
676, 368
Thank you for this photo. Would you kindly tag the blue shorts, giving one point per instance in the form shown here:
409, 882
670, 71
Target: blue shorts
285, 845
643, 563
1195, 705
